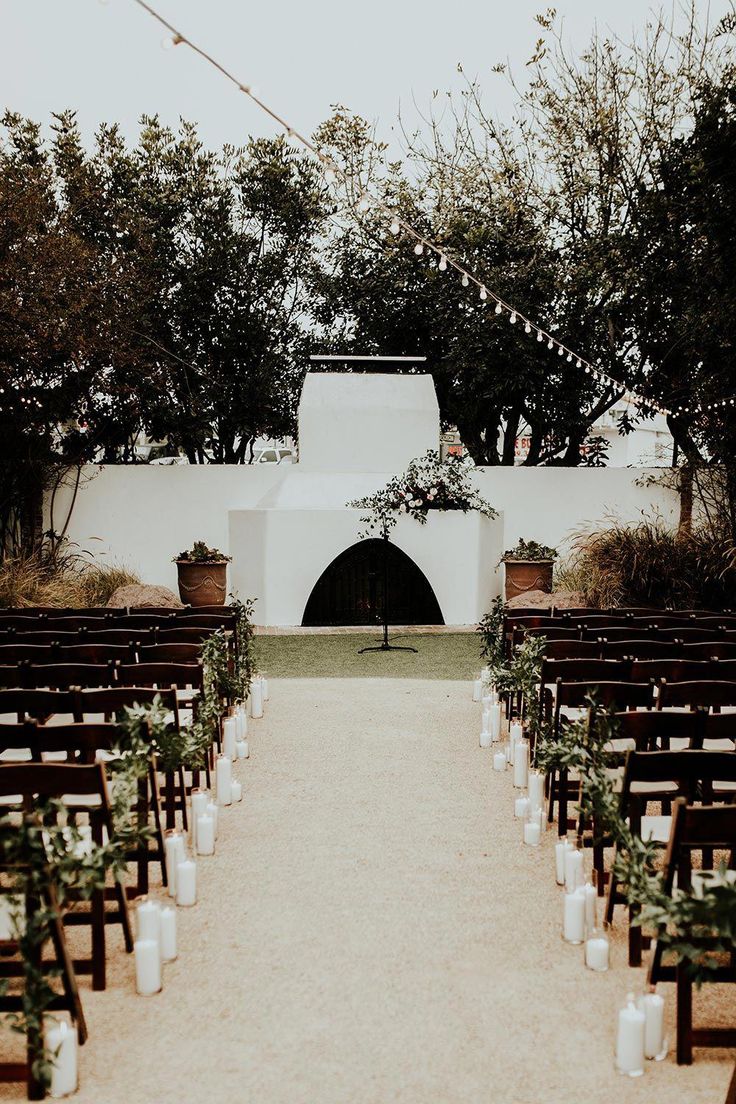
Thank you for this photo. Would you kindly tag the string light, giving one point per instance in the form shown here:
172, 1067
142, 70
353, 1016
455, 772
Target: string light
175, 38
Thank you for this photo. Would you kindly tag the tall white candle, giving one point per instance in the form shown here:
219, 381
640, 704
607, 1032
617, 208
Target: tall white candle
60, 1040
200, 799
652, 1006
256, 698
487, 702
172, 840
591, 900
223, 780
516, 733
561, 849
147, 967
205, 835
535, 787
242, 749
186, 883
168, 934
229, 736
573, 922
485, 723
265, 688
499, 760
495, 722
573, 869
148, 920
521, 764
477, 690
241, 719
630, 1039
236, 790
212, 810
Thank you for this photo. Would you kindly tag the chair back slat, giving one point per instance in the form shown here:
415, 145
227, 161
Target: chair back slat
640, 649
622, 695
180, 675
704, 692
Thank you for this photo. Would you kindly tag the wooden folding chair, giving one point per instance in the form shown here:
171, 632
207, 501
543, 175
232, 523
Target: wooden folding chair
27, 653
94, 652
714, 649
670, 670
83, 788
695, 829
63, 675
693, 773
171, 653
572, 649
620, 632
703, 693
692, 635
640, 649
185, 634
36, 704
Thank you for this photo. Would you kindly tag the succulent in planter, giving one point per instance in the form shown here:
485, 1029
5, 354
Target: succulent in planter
528, 567
202, 575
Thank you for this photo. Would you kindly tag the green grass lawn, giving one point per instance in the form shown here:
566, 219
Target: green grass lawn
439, 656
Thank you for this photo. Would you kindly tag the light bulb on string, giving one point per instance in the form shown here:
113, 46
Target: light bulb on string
499, 308
528, 328
465, 280
395, 226
550, 344
560, 350
569, 357
540, 335
483, 294
578, 363
442, 266
419, 249
512, 318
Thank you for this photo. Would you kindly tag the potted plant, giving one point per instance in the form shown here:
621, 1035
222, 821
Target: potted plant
202, 575
528, 567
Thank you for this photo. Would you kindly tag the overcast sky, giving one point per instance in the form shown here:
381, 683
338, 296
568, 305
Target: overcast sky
105, 59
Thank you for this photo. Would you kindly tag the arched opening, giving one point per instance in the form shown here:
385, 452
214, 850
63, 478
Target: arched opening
351, 590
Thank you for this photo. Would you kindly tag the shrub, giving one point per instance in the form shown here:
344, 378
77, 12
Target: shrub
67, 579
651, 565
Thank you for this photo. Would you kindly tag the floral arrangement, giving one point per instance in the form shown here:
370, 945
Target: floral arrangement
200, 553
531, 551
429, 483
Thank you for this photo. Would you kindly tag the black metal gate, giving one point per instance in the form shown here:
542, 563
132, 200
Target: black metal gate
351, 590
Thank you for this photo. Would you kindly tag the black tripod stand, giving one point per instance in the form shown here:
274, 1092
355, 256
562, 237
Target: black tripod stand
384, 646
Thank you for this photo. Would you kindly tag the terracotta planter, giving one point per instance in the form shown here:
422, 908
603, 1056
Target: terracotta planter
523, 575
203, 583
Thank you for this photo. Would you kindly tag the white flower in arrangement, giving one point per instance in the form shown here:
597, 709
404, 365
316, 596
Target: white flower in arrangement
402, 508
430, 497
433, 491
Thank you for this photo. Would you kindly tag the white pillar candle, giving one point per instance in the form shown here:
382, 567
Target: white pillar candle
573, 922
535, 788
499, 760
487, 703
236, 790
521, 764
652, 1006
205, 835
532, 832
241, 720
486, 720
242, 749
516, 733
596, 953
147, 967
630, 1039
229, 736
265, 688
573, 869
223, 780
173, 855
591, 900
60, 1041
477, 690
485, 738
186, 883
199, 801
148, 920
561, 849
212, 810
495, 722
521, 807
256, 698
168, 934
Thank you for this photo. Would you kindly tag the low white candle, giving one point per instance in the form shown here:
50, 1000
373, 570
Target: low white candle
573, 922
148, 920
573, 869
236, 790
199, 801
499, 760
223, 780
653, 1007
229, 736
168, 933
561, 849
485, 738
495, 722
256, 698
477, 690
596, 953
147, 967
535, 787
532, 833
630, 1039
60, 1039
212, 810
521, 764
521, 807
242, 750
205, 835
186, 883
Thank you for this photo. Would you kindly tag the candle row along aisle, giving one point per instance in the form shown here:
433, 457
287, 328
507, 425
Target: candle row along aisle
639, 1029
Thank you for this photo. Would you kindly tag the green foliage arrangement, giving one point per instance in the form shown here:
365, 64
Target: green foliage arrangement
200, 553
427, 484
245, 658
531, 551
491, 633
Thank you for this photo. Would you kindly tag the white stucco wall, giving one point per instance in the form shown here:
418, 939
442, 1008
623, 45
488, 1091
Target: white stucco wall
285, 524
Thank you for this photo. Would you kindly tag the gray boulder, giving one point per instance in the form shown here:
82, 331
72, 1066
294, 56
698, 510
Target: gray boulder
140, 595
